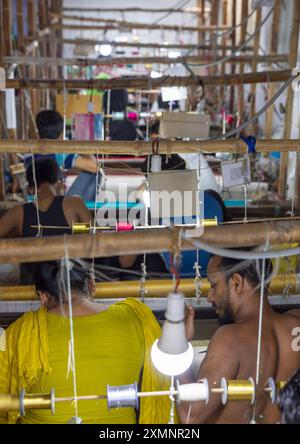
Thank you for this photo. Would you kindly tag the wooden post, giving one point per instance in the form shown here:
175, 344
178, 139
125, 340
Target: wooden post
241, 98
35, 94
293, 56
254, 64
233, 37
271, 88
2, 131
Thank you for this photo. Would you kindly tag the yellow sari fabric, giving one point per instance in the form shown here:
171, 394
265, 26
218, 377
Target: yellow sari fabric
27, 358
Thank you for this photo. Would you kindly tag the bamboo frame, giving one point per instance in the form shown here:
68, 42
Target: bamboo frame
106, 244
271, 87
115, 24
51, 61
140, 148
134, 9
93, 42
293, 57
156, 288
144, 82
254, 64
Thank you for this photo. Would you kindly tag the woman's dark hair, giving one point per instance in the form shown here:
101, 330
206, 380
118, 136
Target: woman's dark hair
289, 400
46, 171
249, 269
51, 277
50, 124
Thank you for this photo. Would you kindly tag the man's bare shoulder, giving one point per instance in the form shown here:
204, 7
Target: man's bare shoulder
226, 336
294, 313
73, 200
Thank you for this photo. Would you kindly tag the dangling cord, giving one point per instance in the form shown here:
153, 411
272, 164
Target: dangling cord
172, 402
246, 203
36, 199
259, 337
197, 280
196, 265
142, 289
71, 343
97, 189
65, 95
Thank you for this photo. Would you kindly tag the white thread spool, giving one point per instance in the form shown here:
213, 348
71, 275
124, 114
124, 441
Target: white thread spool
193, 392
155, 163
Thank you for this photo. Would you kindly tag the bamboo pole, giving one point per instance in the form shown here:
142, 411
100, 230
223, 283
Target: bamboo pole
140, 148
25, 60
7, 27
116, 24
143, 82
233, 67
134, 9
156, 288
2, 130
241, 98
35, 95
153, 45
293, 56
108, 244
20, 35
271, 88
254, 64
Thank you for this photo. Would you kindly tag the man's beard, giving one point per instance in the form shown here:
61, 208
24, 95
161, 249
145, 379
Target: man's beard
226, 317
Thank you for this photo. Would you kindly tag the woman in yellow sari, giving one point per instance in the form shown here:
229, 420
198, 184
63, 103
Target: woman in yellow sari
111, 343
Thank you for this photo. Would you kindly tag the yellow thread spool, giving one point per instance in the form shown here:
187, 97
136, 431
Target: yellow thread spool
209, 222
81, 227
9, 403
36, 401
238, 390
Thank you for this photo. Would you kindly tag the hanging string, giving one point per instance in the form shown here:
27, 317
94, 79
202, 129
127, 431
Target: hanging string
196, 265
36, 199
142, 289
72, 342
246, 203
172, 402
259, 336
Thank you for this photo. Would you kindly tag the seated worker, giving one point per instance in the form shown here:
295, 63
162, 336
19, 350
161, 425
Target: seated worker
232, 351
289, 400
37, 352
54, 210
50, 126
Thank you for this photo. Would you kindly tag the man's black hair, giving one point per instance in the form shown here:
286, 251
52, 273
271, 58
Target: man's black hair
249, 269
117, 101
122, 130
50, 124
289, 400
46, 171
50, 277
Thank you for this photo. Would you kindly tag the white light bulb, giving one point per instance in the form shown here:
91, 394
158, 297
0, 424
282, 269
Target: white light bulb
155, 75
171, 365
105, 50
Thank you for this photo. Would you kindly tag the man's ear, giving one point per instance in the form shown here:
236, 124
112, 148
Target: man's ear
237, 282
44, 298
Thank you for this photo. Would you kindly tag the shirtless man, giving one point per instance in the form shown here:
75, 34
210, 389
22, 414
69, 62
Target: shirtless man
232, 352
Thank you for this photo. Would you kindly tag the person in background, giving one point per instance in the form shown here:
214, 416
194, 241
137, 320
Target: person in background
50, 127
54, 210
289, 400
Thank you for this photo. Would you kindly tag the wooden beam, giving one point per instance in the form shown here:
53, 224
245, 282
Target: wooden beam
293, 57
25, 60
107, 244
143, 82
117, 24
93, 42
134, 9
140, 148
